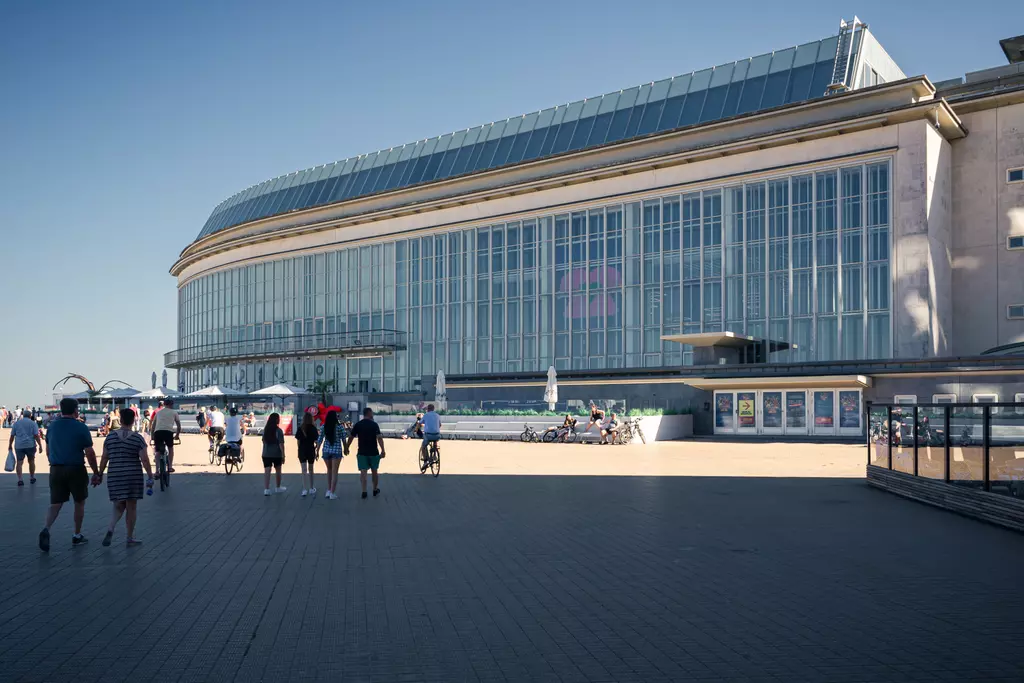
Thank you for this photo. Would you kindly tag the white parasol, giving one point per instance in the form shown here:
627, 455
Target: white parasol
279, 390
440, 392
551, 389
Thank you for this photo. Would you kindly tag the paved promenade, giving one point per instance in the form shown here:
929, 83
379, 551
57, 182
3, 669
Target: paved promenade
644, 571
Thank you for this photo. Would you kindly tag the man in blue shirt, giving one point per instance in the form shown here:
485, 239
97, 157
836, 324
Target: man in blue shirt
68, 444
24, 439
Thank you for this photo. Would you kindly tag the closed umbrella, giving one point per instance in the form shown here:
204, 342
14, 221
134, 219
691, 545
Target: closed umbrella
440, 392
551, 389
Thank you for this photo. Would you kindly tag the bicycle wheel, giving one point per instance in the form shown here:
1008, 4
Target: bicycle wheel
571, 436
213, 456
423, 461
435, 460
625, 434
550, 436
641, 433
161, 473
167, 473
239, 462
228, 466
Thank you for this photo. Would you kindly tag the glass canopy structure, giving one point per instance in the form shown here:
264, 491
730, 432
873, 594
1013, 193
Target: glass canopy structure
758, 83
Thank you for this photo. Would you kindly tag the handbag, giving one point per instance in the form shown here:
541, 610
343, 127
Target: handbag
9, 464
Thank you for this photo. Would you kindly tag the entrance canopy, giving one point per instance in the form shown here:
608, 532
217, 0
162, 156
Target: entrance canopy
810, 381
728, 348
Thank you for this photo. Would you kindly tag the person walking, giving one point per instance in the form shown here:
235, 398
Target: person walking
25, 436
332, 441
308, 439
125, 451
201, 420
273, 453
368, 456
68, 446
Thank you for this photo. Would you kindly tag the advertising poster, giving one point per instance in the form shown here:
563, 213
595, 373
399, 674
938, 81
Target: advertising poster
849, 409
723, 411
745, 405
796, 409
823, 409
772, 417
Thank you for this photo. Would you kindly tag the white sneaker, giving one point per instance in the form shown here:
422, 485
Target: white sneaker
304, 492
331, 495
266, 492
281, 489
312, 491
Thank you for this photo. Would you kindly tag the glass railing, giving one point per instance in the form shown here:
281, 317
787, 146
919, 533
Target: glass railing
972, 445
333, 343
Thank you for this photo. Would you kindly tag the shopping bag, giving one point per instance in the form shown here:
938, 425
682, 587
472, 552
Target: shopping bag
9, 464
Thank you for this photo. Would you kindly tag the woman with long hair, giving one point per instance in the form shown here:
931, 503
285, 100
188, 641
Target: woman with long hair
307, 436
333, 441
125, 451
273, 453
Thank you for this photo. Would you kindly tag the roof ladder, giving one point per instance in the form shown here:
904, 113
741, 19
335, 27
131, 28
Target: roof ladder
844, 53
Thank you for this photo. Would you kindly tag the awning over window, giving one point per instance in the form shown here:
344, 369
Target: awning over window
807, 382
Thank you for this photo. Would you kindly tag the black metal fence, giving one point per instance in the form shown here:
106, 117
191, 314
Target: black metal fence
977, 445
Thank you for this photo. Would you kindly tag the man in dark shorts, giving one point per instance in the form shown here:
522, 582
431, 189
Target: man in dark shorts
68, 444
367, 455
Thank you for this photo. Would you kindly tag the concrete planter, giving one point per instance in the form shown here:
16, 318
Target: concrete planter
667, 427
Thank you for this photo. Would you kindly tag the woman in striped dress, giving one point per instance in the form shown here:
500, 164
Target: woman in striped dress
125, 451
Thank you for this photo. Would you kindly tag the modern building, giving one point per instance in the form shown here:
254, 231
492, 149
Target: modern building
768, 243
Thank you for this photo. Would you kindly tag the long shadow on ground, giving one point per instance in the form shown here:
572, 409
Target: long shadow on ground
513, 578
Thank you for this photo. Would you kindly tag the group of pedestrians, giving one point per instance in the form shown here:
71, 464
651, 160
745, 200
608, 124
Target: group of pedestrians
9, 417
334, 442
68, 445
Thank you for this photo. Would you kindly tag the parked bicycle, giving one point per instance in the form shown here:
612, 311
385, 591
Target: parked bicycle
529, 435
629, 430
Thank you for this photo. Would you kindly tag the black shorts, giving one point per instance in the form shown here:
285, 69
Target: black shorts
163, 437
272, 462
68, 481
309, 457
216, 432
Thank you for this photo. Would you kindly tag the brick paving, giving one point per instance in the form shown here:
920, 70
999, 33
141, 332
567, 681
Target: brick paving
513, 578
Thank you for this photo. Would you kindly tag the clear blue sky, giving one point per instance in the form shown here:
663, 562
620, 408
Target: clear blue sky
123, 124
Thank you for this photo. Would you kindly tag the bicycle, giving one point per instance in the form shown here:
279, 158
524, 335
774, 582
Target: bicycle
529, 435
233, 457
163, 473
629, 430
432, 460
215, 452
563, 434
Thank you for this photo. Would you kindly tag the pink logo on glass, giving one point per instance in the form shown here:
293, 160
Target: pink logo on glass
588, 291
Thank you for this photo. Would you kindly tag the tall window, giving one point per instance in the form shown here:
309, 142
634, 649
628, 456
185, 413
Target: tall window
803, 259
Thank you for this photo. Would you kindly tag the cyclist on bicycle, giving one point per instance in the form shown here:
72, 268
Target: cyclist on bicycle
166, 428
233, 429
431, 431
216, 430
